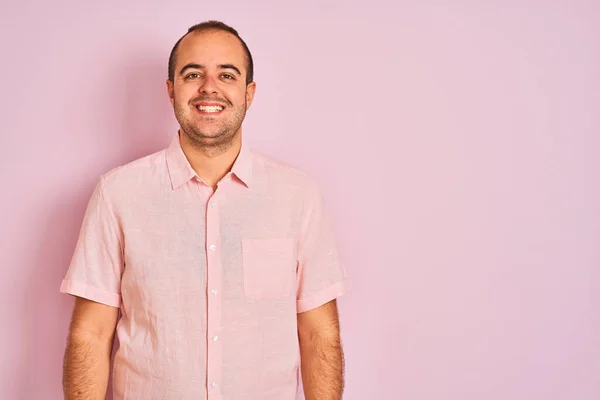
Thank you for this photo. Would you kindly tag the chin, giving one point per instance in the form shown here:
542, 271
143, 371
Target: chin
211, 137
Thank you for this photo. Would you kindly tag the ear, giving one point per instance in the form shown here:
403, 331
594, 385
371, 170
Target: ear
171, 92
250, 90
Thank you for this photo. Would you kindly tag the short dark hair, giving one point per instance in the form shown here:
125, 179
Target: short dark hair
213, 26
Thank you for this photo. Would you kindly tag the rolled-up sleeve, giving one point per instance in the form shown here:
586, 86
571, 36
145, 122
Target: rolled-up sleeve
97, 263
320, 276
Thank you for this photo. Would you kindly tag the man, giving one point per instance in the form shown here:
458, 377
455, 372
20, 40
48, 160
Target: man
215, 265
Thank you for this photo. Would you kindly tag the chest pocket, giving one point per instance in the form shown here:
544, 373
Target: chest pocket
269, 268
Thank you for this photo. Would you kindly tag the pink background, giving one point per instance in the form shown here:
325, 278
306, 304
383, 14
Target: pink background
457, 144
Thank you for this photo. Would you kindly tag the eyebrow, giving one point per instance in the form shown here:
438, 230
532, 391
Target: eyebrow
221, 66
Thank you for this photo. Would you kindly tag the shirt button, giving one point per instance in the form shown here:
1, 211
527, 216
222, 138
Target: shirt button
213, 385
215, 338
212, 203
212, 247
214, 291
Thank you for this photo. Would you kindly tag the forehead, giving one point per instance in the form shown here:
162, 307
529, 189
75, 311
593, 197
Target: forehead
211, 48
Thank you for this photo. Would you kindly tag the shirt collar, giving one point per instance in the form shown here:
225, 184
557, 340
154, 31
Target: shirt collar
242, 167
180, 170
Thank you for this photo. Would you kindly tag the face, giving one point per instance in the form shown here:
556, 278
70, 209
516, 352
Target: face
209, 92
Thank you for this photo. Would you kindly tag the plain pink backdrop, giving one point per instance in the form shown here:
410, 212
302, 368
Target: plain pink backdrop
457, 143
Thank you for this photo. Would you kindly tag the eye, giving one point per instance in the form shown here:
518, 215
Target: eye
228, 76
193, 75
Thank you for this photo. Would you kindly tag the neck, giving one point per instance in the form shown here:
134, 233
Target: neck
211, 163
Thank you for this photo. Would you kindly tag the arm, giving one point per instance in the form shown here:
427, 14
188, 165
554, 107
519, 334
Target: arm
322, 358
89, 346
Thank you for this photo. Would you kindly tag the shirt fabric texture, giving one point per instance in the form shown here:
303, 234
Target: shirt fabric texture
208, 283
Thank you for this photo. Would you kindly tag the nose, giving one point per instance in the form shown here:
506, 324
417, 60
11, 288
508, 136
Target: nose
209, 85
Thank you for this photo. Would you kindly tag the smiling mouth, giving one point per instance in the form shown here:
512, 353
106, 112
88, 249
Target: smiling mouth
209, 109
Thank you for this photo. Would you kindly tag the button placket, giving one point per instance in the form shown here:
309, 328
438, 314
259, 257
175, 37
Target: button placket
214, 276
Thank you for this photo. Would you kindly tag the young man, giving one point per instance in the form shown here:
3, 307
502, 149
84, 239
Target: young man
220, 260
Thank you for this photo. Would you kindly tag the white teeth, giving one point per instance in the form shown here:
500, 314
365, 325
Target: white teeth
210, 108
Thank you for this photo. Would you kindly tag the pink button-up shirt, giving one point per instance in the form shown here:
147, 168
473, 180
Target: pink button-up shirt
208, 282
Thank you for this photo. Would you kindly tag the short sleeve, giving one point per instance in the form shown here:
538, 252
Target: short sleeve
320, 276
97, 263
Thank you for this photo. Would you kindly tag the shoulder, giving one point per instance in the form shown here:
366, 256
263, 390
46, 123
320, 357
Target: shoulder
130, 177
285, 174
